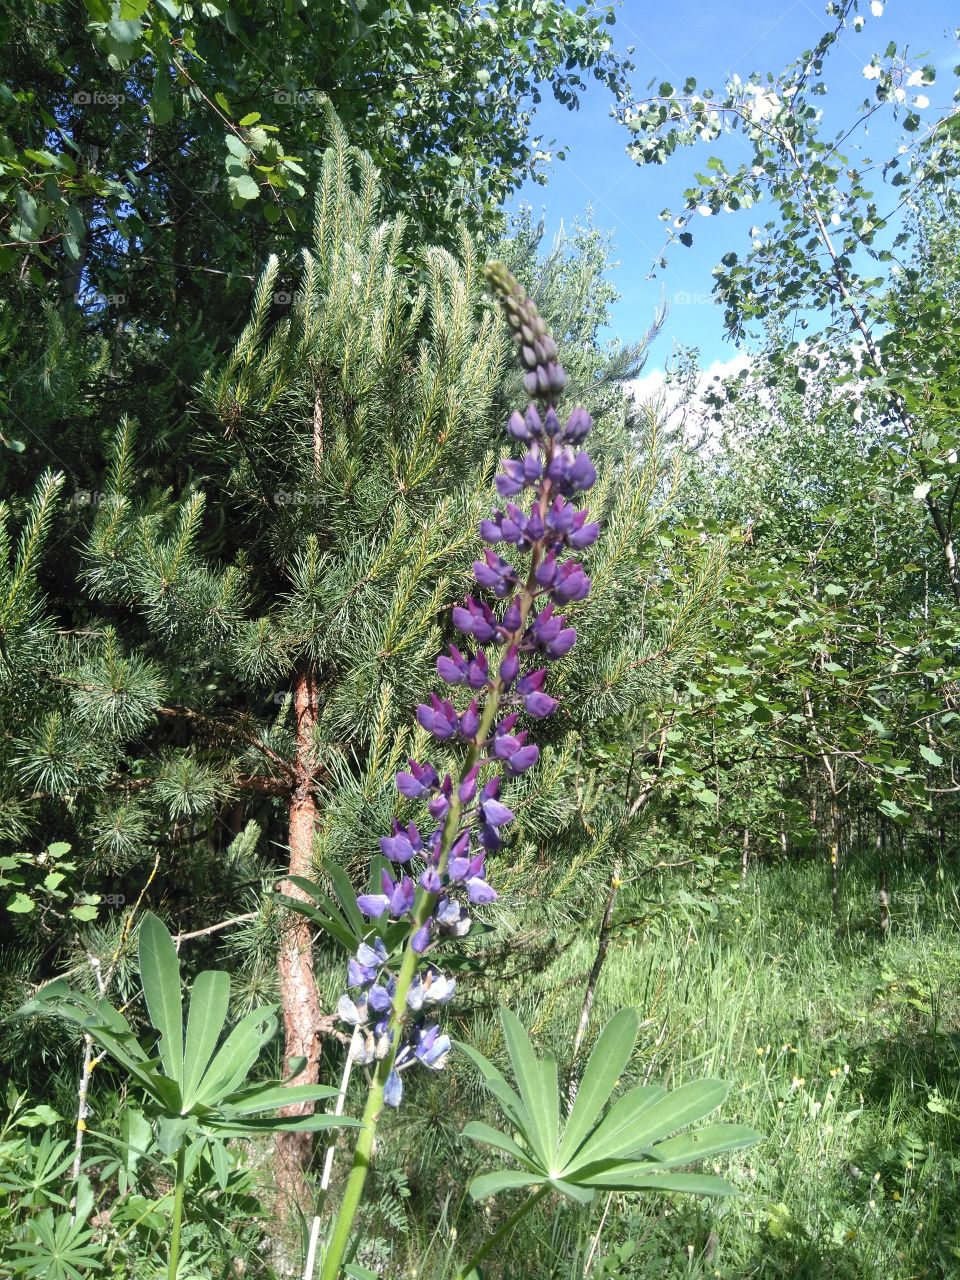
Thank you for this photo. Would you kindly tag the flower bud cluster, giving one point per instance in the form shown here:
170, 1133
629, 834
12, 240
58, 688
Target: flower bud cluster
439, 867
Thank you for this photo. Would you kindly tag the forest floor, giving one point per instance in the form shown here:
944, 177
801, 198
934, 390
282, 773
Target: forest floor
842, 1047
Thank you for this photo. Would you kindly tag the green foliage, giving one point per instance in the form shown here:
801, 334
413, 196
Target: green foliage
626, 1149
200, 1085
42, 881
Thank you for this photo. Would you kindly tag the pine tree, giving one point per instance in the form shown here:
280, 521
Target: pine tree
237, 671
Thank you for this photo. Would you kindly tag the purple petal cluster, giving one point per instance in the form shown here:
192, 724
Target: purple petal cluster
496, 681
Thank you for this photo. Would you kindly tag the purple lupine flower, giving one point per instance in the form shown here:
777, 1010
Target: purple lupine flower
440, 718
467, 789
373, 905
379, 999
452, 669
437, 988
432, 1048
421, 939
469, 722
416, 783
548, 633
494, 573
450, 864
403, 844
476, 619
577, 427
570, 583
510, 667
536, 703
494, 813
393, 1089
355, 1014
572, 473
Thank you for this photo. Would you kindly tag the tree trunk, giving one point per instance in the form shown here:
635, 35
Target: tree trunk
745, 856
836, 832
298, 988
603, 943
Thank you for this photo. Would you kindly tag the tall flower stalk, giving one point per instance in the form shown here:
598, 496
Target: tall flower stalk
437, 877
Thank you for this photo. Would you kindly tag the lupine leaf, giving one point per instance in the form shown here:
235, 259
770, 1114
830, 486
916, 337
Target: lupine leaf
526, 1070
345, 895
209, 1001
489, 1184
699, 1144
236, 1055
604, 1068
550, 1097
160, 975
243, 1127
637, 1120
698, 1184
325, 914
268, 1096
491, 1137
497, 1084
573, 1191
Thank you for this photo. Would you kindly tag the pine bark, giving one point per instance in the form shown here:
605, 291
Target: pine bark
299, 999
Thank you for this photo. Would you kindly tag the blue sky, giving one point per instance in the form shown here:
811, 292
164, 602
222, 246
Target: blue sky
712, 40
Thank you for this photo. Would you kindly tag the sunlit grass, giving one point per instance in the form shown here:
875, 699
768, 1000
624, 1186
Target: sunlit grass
842, 1048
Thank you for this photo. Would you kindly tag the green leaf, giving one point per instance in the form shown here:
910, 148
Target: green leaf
526, 1070
161, 102
171, 1131
209, 1002
244, 1126
702, 1144
245, 187
604, 1068
931, 756
237, 1054
160, 974
497, 1084
269, 1096
491, 1184
20, 904
491, 1137
697, 1184
581, 1194
345, 895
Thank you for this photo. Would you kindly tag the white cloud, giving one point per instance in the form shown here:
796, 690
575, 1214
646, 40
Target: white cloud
679, 412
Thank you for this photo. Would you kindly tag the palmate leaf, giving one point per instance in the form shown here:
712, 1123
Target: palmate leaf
698, 1184
160, 975
237, 1054
321, 911
627, 1147
491, 1137
269, 1096
496, 1083
640, 1119
607, 1062
209, 1001
210, 1090
530, 1081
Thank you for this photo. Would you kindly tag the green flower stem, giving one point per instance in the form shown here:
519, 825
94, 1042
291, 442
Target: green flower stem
363, 1152
502, 1232
174, 1261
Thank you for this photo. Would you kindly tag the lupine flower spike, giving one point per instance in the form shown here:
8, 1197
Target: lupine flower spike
513, 627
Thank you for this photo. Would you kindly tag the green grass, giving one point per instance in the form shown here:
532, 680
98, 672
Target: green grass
842, 1047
